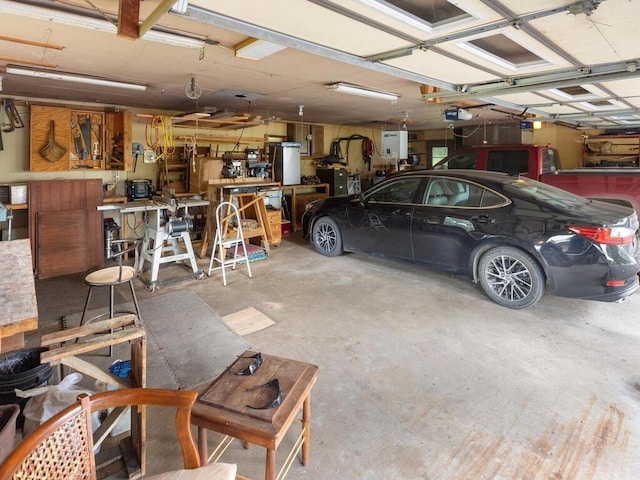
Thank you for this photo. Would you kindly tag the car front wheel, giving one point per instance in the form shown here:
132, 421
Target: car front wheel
326, 237
511, 277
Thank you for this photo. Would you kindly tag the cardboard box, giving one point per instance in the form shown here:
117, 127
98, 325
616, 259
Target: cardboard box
207, 168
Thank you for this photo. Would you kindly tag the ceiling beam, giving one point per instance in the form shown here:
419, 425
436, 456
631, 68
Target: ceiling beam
152, 19
128, 19
568, 78
209, 17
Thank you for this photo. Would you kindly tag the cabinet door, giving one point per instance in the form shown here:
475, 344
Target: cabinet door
62, 243
118, 148
40, 125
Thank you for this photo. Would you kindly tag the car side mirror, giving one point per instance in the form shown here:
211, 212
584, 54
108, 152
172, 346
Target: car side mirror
360, 200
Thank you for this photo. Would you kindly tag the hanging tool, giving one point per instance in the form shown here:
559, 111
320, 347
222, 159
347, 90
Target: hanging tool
12, 114
137, 150
85, 128
77, 138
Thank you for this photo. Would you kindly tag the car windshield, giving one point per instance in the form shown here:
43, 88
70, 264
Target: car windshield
546, 193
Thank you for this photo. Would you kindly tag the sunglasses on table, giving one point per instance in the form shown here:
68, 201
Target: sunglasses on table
277, 399
253, 367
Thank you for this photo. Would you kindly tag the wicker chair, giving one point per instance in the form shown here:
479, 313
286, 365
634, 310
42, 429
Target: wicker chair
61, 448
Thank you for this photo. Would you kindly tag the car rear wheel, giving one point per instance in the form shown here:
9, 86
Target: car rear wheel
511, 277
326, 237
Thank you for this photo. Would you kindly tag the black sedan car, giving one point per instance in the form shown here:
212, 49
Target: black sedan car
515, 236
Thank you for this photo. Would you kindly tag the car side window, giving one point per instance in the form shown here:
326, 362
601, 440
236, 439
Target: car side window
399, 191
508, 161
467, 160
459, 193
446, 191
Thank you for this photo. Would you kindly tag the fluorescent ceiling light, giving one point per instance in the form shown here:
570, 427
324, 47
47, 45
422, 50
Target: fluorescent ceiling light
91, 23
70, 77
173, 39
362, 91
180, 7
256, 49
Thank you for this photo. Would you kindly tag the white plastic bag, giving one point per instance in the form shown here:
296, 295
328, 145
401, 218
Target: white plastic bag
124, 424
45, 402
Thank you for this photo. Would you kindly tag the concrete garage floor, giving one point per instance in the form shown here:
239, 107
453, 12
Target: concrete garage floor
423, 377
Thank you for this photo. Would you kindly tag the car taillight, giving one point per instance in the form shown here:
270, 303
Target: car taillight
606, 235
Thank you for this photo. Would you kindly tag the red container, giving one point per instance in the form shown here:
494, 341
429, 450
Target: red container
286, 228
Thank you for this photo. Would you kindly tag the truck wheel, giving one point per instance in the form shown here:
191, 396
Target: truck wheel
326, 237
511, 277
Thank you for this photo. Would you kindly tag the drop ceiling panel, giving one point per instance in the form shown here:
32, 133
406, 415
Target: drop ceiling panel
312, 23
524, 98
439, 66
600, 38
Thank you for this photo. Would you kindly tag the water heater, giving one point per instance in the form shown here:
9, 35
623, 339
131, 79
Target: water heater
395, 144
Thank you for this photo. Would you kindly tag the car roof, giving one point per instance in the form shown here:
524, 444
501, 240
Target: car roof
481, 175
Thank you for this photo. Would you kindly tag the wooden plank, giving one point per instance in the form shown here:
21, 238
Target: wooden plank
94, 327
154, 16
134, 468
128, 18
90, 369
108, 424
11, 343
28, 62
99, 341
31, 42
247, 321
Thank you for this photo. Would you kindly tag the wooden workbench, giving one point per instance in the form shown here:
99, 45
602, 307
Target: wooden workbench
18, 305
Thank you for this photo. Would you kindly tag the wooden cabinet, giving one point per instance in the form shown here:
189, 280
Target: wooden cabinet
65, 226
41, 121
274, 221
87, 139
117, 141
298, 198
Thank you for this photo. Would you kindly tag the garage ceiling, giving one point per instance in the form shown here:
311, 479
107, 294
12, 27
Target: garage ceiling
570, 62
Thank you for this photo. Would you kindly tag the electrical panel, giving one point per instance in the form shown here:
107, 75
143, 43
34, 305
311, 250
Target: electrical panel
395, 144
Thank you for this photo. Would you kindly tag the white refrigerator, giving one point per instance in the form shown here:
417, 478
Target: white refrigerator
286, 162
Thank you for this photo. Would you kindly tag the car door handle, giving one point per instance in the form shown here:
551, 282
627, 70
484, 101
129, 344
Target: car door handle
483, 219
432, 220
399, 211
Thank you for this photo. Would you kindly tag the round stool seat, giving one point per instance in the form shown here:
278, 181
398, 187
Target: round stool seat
110, 276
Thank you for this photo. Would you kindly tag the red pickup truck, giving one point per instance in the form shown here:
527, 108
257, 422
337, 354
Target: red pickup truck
615, 185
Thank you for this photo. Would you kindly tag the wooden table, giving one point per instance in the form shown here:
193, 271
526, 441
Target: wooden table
222, 408
18, 304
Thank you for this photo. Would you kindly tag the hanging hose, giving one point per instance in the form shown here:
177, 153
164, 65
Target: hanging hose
368, 147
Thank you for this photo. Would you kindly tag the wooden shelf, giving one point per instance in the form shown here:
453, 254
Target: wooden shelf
612, 150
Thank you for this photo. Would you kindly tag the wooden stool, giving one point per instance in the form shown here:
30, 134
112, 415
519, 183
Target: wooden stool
112, 276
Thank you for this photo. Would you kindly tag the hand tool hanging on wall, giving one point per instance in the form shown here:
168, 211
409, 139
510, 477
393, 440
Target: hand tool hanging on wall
52, 152
77, 138
12, 114
85, 128
96, 136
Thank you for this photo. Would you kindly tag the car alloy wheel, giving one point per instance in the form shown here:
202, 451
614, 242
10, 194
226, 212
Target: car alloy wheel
326, 237
511, 278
